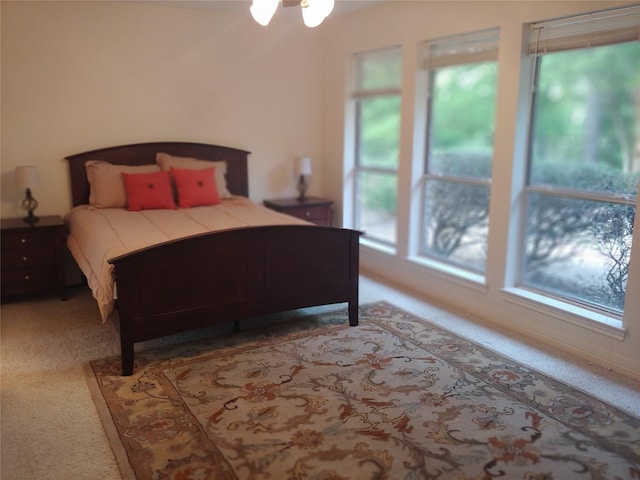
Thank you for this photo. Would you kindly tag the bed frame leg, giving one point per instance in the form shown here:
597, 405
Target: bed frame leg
353, 314
127, 359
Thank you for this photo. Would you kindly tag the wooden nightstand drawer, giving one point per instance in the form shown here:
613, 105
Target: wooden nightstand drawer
28, 258
28, 239
29, 280
309, 213
312, 209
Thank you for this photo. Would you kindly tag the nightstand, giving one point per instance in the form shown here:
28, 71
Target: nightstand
32, 256
313, 209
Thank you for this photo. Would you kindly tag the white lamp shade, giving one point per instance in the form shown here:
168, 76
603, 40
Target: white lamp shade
262, 11
303, 166
27, 177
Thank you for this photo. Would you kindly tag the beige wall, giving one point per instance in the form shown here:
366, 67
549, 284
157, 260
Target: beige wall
83, 75
406, 23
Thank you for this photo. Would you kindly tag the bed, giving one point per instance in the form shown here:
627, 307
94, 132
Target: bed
165, 286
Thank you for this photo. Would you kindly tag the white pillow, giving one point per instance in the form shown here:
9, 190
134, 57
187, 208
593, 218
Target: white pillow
106, 184
167, 161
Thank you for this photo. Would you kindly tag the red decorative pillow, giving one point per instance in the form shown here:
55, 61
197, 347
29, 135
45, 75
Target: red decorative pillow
195, 187
146, 191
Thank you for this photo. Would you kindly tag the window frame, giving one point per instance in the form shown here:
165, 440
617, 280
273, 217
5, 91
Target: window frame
356, 97
550, 37
470, 48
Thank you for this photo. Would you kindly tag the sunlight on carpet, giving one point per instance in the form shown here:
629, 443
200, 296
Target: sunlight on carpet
395, 397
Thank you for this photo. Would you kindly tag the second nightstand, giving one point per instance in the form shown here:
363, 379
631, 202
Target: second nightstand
313, 209
32, 256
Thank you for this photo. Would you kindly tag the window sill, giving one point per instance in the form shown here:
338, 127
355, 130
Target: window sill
457, 275
566, 312
377, 246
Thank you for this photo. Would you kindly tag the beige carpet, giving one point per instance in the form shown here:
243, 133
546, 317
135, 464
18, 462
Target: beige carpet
394, 398
49, 427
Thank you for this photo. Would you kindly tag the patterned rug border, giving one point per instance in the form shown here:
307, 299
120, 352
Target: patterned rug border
108, 424
250, 338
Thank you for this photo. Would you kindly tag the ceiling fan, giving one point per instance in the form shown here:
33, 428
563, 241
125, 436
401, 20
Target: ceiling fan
313, 11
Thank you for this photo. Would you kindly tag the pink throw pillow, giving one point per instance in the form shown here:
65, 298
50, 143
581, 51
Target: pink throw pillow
195, 187
146, 191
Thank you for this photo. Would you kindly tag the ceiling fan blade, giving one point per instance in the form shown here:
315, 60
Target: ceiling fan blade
290, 3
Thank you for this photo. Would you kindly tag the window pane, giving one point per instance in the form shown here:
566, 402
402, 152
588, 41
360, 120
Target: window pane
379, 131
460, 145
584, 137
578, 249
462, 120
377, 70
376, 198
455, 223
586, 120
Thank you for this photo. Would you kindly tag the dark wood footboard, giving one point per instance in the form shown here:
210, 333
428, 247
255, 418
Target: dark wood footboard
225, 276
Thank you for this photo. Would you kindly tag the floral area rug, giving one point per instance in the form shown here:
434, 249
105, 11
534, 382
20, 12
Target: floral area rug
394, 398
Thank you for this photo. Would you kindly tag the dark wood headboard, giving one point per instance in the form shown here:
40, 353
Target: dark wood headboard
145, 153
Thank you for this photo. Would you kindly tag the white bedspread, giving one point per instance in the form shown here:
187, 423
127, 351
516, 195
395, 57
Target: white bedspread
98, 235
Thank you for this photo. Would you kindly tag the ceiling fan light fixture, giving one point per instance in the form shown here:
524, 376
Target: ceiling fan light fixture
313, 11
262, 11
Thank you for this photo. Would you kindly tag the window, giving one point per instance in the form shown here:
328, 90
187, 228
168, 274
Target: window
584, 158
377, 117
461, 77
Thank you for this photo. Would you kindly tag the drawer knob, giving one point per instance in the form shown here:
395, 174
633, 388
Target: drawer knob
27, 278
24, 259
23, 240
307, 214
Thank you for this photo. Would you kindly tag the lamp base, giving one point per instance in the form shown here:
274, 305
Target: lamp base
302, 189
29, 204
31, 219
